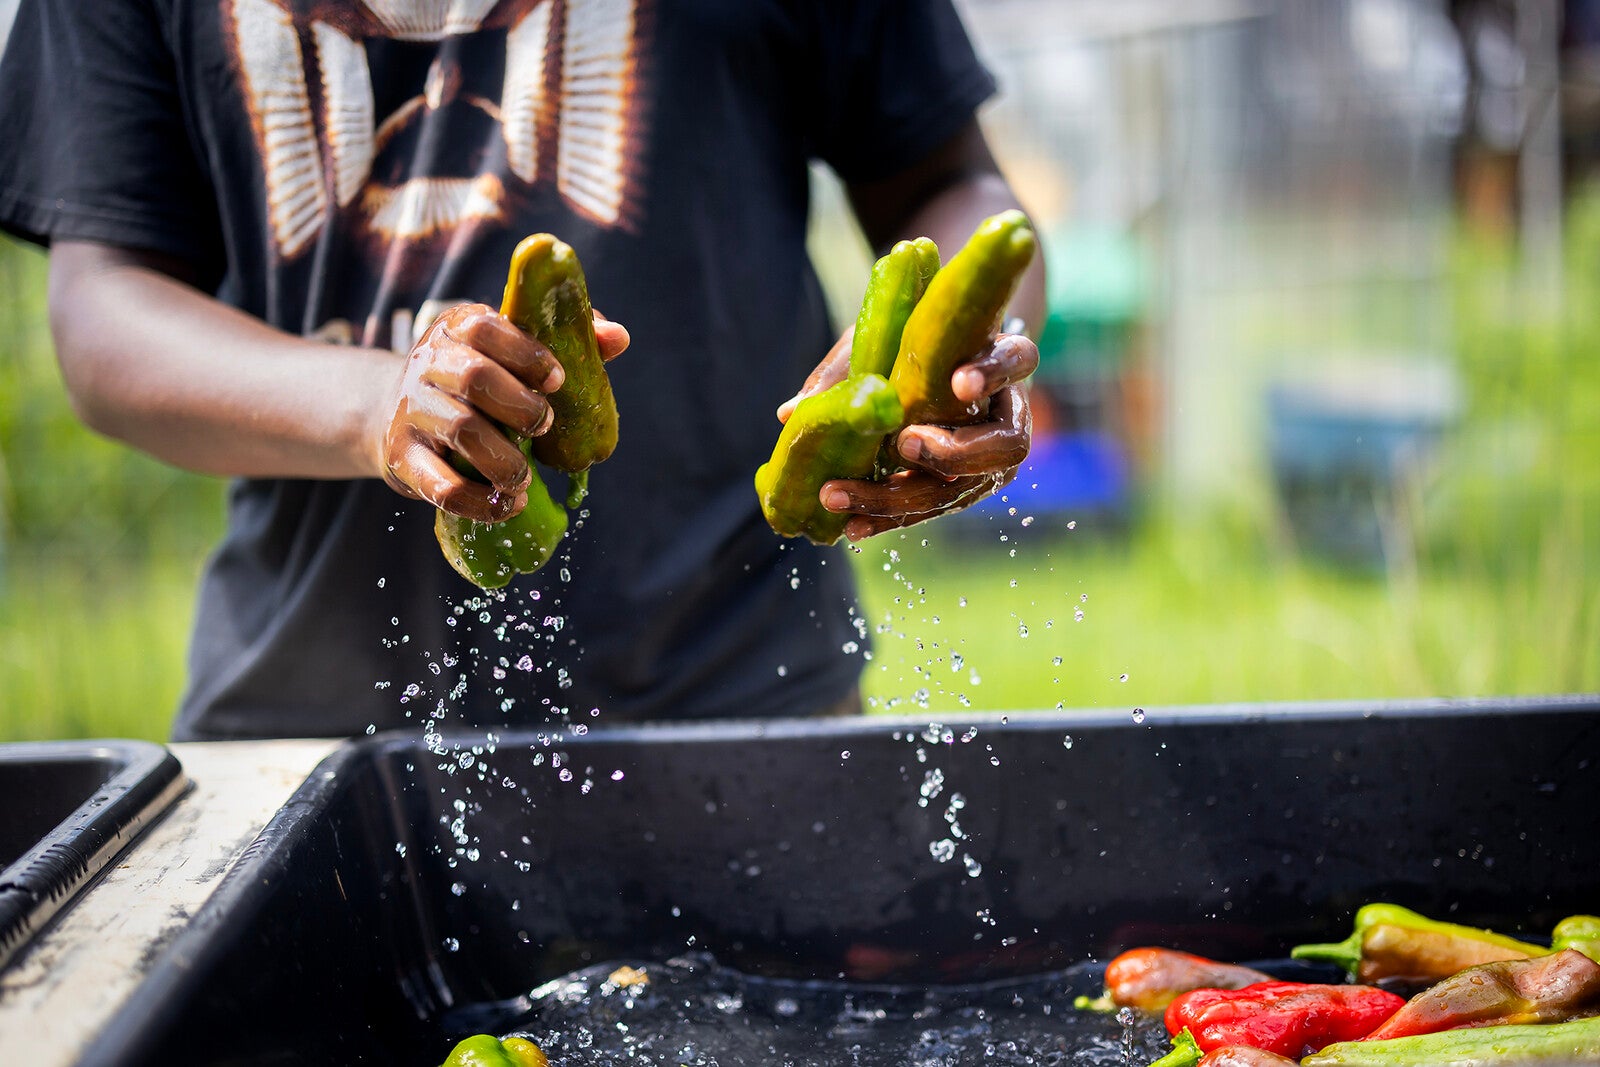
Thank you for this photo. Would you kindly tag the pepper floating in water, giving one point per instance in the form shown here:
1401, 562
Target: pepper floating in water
547, 296
1391, 942
486, 1050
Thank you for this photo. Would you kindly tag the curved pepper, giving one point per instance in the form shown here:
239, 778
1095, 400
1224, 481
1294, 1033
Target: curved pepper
1289, 1018
486, 1050
958, 316
1581, 932
1481, 1046
1394, 942
491, 554
1552, 988
548, 297
897, 283
832, 434
1149, 978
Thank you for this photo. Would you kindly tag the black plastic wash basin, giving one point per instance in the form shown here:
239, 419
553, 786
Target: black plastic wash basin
404, 891
69, 808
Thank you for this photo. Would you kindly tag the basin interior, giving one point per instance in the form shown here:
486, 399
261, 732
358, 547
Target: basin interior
406, 890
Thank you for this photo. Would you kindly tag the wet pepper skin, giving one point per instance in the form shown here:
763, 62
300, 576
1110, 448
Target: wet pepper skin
1545, 989
485, 1050
839, 432
832, 434
1289, 1018
1393, 942
1532, 1045
958, 316
546, 296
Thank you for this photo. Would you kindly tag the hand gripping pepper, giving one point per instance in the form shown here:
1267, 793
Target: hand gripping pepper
485, 1050
832, 434
1149, 978
548, 297
958, 316
1547, 1045
1545, 989
491, 554
897, 283
1290, 1018
1394, 942
1581, 932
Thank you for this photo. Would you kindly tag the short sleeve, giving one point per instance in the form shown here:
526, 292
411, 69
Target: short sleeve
93, 139
898, 78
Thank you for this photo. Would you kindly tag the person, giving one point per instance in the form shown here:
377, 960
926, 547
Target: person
277, 233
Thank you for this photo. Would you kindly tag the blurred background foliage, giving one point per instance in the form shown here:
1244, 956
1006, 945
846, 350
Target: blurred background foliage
1318, 417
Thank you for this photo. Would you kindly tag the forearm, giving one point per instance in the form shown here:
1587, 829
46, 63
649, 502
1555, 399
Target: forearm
950, 216
150, 361
945, 196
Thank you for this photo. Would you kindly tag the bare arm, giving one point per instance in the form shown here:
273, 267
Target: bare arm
151, 361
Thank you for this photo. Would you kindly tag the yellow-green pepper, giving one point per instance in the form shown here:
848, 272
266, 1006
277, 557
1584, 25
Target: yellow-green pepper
547, 296
832, 434
957, 317
486, 1050
897, 283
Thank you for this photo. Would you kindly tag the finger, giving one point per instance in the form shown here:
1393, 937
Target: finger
611, 337
497, 337
445, 424
999, 444
832, 370
1010, 359
486, 385
422, 473
909, 496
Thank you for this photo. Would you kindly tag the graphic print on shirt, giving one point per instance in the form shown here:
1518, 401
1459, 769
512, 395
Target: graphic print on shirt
503, 100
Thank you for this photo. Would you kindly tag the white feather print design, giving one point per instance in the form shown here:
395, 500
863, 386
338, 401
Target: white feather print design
429, 20
280, 111
598, 65
348, 111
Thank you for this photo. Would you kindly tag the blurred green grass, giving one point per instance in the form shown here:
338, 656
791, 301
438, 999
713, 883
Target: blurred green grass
1500, 594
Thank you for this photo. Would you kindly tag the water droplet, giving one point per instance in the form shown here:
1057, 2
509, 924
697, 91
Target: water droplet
1122, 678
943, 850
783, 672
451, 945
1138, 715
1027, 520
1022, 629
974, 868
845, 754
525, 663
458, 888
616, 776
1066, 742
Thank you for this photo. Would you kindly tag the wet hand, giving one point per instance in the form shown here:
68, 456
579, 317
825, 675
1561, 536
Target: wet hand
950, 468
470, 378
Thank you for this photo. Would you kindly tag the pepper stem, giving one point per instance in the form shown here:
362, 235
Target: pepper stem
1185, 1051
1346, 953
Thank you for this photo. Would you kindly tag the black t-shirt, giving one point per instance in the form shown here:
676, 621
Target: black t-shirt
346, 170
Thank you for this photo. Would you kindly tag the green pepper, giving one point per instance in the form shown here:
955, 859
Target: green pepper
491, 554
958, 316
898, 281
1581, 932
832, 434
486, 1050
548, 297
1477, 1046
1391, 942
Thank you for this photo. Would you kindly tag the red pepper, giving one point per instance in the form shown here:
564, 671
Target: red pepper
1293, 1019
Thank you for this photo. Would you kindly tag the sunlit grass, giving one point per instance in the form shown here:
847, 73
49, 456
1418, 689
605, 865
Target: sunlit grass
1164, 622
87, 653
